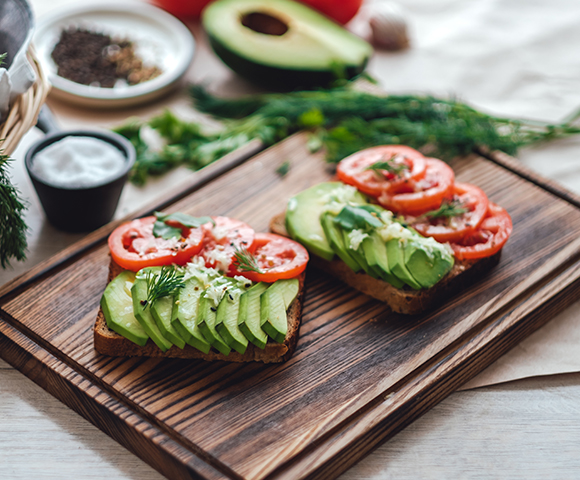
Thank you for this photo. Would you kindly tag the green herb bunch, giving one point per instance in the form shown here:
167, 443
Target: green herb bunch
342, 120
12, 226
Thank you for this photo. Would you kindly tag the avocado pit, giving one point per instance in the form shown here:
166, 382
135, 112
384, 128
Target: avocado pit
264, 23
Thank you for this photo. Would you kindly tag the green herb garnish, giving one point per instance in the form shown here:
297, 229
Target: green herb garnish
448, 209
388, 166
163, 283
245, 261
359, 217
163, 230
283, 168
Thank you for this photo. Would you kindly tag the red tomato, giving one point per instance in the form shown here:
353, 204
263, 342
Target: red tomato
133, 245
182, 8
354, 170
222, 239
416, 197
278, 258
489, 238
452, 229
341, 11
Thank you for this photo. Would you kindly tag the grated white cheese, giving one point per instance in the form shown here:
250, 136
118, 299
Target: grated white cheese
220, 258
355, 238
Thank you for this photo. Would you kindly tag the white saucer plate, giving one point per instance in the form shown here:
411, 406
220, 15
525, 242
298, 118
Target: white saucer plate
159, 38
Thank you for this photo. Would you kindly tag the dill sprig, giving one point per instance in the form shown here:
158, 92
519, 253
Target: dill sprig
13, 229
448, 209
388, 166
163, 283
246, 261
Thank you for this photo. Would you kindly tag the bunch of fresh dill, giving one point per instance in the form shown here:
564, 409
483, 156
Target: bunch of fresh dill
12, 226
343, 120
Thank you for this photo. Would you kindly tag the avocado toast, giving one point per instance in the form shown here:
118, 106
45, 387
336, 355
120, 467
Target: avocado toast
235, 295
408, 272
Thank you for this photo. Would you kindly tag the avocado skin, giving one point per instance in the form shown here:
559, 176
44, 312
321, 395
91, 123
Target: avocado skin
279, 78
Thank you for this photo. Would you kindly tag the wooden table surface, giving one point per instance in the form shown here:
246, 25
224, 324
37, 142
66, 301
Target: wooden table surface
525, 429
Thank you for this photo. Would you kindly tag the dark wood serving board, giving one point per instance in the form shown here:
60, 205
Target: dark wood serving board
360, 373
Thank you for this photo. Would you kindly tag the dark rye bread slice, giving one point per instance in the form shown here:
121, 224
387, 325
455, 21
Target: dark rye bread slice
401, 300
108, 342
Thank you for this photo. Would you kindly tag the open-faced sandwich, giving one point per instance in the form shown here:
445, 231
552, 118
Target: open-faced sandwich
397, 227
206, 288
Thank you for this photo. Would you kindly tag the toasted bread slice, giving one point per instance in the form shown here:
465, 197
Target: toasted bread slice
401, 300
108, 342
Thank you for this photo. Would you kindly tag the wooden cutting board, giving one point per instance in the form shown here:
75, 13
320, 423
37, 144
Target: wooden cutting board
360, 373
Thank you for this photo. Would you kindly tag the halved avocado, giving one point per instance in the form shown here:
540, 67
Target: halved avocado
282, 43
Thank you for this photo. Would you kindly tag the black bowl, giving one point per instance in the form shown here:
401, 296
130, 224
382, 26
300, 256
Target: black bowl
74, 209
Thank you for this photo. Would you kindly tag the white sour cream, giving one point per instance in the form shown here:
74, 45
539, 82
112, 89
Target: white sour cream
78, 162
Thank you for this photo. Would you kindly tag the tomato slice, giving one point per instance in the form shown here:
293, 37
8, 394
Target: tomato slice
489, 238
416, 197
133, 245
354, 170
278, 258
221, 241
452, 229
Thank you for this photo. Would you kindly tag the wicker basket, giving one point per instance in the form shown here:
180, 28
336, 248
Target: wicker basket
24, 112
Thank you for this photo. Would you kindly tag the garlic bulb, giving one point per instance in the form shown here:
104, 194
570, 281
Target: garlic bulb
388, 26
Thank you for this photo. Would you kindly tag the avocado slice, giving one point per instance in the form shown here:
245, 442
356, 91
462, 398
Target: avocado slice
226, 322
375, 252
396, 257
249, 316
206, 320
161, 311
184, 317
304, 211
357, 254
282, 43
142, 312
117, 306
334, 235
273, 305
427, 262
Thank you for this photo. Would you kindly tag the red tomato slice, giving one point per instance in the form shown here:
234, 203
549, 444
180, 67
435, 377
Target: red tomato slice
133, 245
452, 229
416, 197
489, 238
354, 170
222, 239
278, 257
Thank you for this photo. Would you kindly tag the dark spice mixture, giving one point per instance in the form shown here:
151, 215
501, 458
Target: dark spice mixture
93, 58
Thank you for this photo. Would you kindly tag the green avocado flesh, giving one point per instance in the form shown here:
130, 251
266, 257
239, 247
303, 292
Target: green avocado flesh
330, 220
249, 317
305, 209
185, 316
206, 320
282, 43
191, 316
117, 306
273, 304
162, 310
227, 321
427, 266
143, 315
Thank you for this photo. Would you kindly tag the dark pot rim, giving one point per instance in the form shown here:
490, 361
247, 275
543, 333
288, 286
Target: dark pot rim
118, 141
